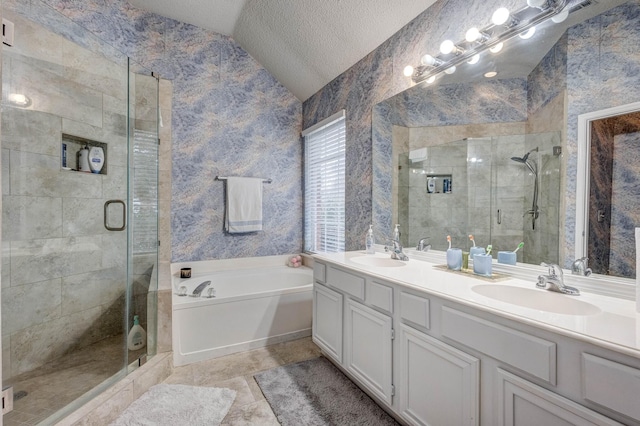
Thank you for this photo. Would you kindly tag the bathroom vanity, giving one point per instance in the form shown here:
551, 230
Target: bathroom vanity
435, 347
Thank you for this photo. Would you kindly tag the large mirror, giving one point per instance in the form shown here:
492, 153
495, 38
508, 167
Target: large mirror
497, 156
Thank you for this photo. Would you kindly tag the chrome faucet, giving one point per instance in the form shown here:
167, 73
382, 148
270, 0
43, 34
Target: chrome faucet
422, 246
396, 251
198, 290
579, 267
555, 282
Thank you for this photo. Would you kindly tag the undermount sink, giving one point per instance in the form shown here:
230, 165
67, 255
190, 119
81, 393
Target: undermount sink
373, 260
542, 300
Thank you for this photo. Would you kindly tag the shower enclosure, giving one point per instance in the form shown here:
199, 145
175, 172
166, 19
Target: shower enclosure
500, 201
79, 248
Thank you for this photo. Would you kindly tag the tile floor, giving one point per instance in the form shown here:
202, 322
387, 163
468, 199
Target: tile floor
82, 370
236, 372
59, 382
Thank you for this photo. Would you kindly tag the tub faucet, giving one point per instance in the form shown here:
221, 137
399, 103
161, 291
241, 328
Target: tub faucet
198, 290
396, 251
555, 282
579, 267
423, 244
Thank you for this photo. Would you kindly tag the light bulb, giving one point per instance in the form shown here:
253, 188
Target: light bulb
428, 60
450, 70
431, 79
497, 48
560, 17
490, 74
527, 34
18, 98
500, 16
536, 3
472, 34
447, 47
408, 71
474, 59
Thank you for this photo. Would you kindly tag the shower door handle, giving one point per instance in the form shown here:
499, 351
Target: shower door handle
106, 215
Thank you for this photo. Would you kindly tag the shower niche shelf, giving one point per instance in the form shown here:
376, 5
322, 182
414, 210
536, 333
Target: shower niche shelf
441, 183
69, 151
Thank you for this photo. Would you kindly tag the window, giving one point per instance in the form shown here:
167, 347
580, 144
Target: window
324, 205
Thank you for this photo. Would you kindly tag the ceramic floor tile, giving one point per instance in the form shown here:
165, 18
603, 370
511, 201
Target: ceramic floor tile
244, 395
296, 350
255, 389
181, 376
235, 365
257, 413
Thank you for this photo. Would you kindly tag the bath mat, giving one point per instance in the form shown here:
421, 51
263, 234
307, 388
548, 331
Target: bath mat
315, 392
173, 405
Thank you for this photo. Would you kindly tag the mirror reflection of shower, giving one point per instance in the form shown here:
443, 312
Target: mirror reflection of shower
531, 165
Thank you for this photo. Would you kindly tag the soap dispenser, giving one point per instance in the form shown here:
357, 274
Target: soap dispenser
396, 233
369, 241
137, 338
96, 159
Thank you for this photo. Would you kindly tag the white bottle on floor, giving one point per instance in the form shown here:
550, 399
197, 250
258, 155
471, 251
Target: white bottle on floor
137, 338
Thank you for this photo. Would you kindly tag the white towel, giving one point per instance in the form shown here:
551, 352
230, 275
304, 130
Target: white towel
244, 205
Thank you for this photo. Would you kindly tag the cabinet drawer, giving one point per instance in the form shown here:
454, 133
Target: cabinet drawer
528, 353
414, 309
380, 296
319, 270
611, 384
346, 282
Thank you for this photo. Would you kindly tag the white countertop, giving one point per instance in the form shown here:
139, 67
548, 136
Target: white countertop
615, 327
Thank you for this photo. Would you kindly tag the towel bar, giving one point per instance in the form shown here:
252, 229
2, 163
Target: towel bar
265, 180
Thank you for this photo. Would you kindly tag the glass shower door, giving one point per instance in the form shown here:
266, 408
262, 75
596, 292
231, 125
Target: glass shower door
143, 208
74, 269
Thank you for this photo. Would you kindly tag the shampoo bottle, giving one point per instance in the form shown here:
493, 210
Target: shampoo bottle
83, 160
369, 241
137, 338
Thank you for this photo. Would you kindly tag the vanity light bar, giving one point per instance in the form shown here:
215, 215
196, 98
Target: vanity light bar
427, 72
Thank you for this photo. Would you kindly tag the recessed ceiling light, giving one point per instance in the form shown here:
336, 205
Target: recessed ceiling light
490, 74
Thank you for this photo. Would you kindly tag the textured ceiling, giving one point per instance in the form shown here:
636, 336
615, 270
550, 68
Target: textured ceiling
304, 43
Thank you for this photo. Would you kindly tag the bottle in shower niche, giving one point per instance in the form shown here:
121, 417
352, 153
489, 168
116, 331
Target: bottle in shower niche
137, 338
369, 241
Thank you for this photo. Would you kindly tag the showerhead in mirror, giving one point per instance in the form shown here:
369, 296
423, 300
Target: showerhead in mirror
534, 169
529, 163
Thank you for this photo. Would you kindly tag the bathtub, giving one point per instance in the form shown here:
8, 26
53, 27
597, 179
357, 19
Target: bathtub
252, 308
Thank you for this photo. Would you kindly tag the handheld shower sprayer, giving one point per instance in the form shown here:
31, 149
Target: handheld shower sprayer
531, 165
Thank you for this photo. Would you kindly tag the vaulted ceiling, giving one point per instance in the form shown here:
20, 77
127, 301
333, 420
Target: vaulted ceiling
304, 43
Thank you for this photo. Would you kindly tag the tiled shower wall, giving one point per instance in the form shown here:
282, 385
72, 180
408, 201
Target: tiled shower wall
64, 274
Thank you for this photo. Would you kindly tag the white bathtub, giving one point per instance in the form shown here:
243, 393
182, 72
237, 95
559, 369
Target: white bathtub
252, 308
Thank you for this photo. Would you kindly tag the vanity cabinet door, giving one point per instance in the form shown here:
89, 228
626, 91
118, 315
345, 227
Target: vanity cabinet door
327, 321
438, 384
368, 348
521, 403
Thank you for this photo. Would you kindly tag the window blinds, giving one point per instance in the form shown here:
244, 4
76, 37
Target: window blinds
324, 224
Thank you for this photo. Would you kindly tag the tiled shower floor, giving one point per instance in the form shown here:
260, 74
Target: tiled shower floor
59, 382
